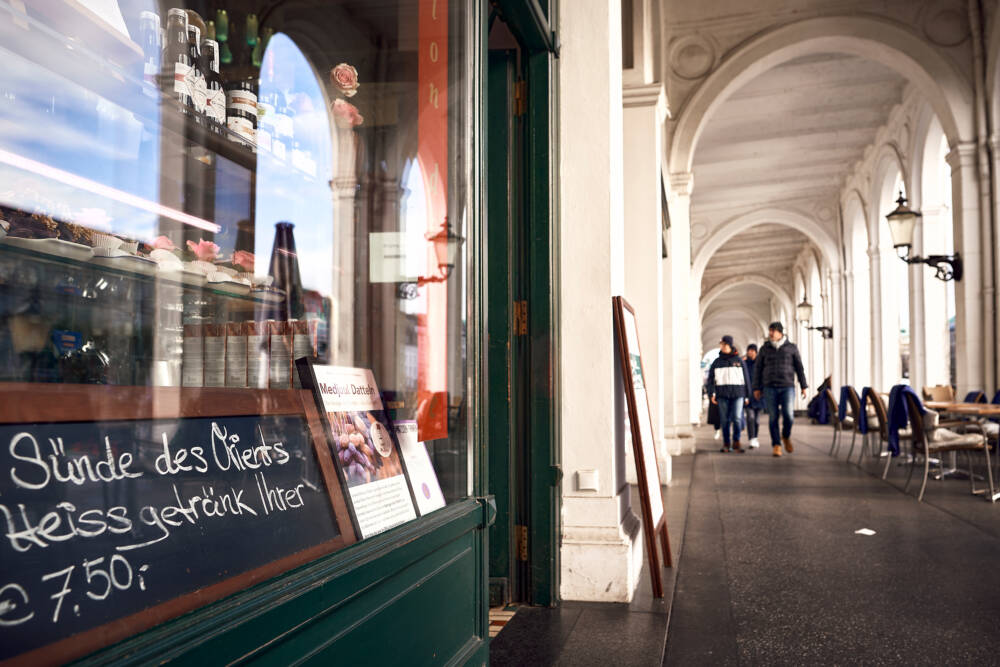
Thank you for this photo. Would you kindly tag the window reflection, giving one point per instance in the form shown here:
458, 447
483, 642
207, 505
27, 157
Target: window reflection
141, 241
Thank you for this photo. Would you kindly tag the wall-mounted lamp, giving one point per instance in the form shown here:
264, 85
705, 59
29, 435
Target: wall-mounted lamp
446, 244
804, 312
902, 222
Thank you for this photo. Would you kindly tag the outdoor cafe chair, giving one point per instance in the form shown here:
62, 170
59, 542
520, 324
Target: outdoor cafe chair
929, 439
838, 425
854, 403
882, 418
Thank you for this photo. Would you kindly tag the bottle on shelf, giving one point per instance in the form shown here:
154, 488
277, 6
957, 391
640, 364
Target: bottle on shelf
215, 99
222, 36
151, 40
177, 60
241, 109
199, 90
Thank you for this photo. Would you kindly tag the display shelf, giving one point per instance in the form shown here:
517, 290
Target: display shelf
270, 296
81, 25
66, 38
26, 402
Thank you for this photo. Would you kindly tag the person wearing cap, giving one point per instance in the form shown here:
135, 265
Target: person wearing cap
754, 405
777, 366
729, 386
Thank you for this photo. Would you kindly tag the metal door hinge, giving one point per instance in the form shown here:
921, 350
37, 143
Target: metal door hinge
520, 97
521, 537
521, 318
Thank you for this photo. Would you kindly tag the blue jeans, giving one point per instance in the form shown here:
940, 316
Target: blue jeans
753, 421
779, 400
730, 412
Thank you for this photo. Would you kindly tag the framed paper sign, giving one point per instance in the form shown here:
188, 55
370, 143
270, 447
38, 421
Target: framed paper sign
363, 444
643, 440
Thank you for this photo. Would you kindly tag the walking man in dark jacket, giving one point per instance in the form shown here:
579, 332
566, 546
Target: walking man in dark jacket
778, 364
729, 386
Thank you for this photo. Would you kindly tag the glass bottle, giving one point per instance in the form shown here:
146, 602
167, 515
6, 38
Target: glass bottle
241, 109
222, 35
215, 100
177, 61
151, 41
199, 90
284, 269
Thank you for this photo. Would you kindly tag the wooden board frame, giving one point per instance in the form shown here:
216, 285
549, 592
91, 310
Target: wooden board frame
26, 403
651, 529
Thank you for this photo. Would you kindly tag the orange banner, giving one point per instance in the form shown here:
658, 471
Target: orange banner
432, 156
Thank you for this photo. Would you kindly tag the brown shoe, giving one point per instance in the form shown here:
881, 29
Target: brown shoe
788, 445
737, 448
777, 450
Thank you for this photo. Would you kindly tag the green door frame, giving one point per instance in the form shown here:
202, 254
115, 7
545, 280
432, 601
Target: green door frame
501, 75
539, 288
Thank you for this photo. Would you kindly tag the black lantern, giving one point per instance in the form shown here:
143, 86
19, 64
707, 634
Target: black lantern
804, 312
902, 223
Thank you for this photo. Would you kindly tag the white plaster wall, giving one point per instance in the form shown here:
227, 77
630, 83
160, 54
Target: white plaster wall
597, 551
645, 108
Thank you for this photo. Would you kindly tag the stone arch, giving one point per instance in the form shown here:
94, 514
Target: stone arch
925, 124
888, 158
993, 70
853, 206
752, 279
742, 310
754, 333
721, 235
883, 41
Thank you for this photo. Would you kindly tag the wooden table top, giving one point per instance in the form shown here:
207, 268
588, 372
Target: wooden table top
965, 408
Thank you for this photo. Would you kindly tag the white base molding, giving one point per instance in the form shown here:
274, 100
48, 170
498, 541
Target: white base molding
601, 564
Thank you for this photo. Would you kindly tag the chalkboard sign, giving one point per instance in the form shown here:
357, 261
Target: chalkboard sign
111, 526
643, 440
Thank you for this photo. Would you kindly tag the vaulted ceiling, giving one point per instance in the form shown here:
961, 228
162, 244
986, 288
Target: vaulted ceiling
766, 249
793, 132
787, 138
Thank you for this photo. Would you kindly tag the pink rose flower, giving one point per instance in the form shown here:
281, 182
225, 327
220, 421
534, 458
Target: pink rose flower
163, 243
244, 259
346, 115
205, 251
345, 78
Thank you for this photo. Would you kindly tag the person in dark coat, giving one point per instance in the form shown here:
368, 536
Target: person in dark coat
754, 405
774, 374
729, 386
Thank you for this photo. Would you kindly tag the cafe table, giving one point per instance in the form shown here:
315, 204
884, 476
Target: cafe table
975, 410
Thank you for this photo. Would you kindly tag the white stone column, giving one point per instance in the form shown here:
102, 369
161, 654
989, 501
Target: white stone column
875, 279
994, 293
682, 394
934, 302
848, 343
645, 109
969, 291
601, 546
826, 312
918, 277
838, 365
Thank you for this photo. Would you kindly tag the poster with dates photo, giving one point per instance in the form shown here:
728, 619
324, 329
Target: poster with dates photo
363, 445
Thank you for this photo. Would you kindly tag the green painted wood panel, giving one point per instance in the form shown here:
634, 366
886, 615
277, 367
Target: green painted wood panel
413, 596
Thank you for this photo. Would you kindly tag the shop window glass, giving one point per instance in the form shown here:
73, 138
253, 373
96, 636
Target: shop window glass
193, 199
